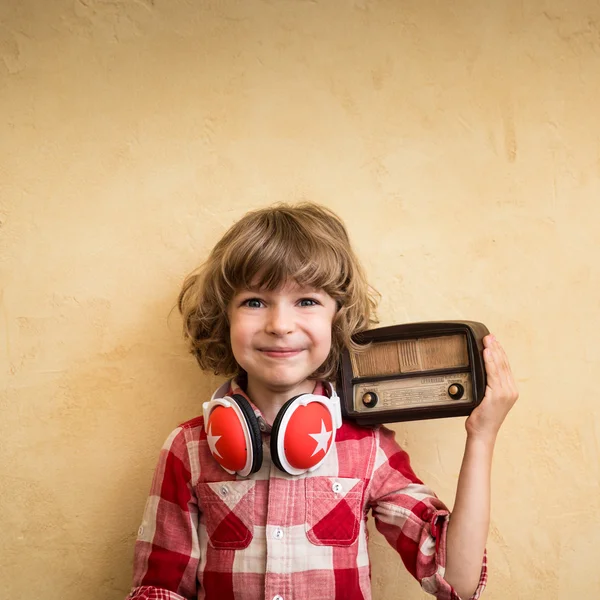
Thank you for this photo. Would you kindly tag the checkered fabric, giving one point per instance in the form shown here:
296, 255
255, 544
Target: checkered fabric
208, 535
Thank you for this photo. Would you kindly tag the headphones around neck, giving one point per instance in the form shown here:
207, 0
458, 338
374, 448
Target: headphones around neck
302, 434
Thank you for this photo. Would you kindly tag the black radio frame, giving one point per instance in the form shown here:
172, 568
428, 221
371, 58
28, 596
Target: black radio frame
474, 332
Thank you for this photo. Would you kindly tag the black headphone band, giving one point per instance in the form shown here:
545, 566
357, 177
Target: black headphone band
275, 432
255, 437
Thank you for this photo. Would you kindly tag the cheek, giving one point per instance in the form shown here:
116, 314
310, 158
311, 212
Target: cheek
238, 349
325, 338
237, 338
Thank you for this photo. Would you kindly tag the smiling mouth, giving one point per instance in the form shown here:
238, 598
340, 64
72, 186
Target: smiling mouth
280, 352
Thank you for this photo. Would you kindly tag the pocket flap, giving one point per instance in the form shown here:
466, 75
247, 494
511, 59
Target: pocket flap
228, 512
333, 510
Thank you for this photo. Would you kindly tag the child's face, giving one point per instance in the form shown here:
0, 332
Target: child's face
280, 337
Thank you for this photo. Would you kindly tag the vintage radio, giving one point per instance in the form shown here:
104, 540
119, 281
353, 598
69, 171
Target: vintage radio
414, 371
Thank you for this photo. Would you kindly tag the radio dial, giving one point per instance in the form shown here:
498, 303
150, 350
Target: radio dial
456, 391
370, 399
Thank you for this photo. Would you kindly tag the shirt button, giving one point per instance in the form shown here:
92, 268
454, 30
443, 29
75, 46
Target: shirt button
224, 491
337, 487
278, 533
261, 425
278, 597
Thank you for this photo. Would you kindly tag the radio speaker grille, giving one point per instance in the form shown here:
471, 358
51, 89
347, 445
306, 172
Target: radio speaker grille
409, 356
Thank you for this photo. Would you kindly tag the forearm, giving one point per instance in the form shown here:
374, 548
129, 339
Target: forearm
469, 522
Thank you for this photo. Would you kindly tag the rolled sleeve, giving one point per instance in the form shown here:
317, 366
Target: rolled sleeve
147, 592
435, 532
413, 519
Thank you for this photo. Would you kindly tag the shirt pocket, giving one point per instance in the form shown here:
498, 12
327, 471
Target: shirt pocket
333, 510
228, 511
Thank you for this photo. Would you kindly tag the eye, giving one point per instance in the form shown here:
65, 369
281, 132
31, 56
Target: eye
252, 303
308, 302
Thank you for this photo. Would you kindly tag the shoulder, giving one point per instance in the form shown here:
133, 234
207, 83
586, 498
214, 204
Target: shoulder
392, 456
351, 431
193, 425
184, 435
180, 451
379, 434
381, 438
387, 437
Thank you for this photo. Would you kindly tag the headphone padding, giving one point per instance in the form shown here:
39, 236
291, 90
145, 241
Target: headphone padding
275, 433
255, 435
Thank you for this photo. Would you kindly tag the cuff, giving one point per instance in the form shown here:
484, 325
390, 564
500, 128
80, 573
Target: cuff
149, 592
435, 584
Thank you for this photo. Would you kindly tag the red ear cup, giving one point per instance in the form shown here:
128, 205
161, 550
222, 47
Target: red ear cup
233, 436
226, 439
308, 436
302, 435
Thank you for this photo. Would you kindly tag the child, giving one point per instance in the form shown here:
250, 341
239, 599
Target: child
246, 504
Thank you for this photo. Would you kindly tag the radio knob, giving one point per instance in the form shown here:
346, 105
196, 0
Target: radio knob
370, 399
456, 391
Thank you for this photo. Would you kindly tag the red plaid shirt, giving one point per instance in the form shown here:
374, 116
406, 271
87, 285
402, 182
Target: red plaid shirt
209, 535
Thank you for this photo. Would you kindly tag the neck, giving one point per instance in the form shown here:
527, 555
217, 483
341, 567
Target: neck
269, 398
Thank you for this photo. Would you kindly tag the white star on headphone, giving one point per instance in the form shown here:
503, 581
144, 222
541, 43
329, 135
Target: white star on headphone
321, 438
212, 441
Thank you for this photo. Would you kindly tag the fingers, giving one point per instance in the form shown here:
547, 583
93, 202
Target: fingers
491, 367
508, 379
498, 367
503, 358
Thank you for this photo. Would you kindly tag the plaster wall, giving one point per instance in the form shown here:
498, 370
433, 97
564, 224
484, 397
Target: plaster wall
460, 141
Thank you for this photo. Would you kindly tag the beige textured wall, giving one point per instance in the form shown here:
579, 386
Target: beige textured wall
459, 140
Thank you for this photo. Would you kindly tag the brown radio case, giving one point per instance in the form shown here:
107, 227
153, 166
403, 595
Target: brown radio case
413, 371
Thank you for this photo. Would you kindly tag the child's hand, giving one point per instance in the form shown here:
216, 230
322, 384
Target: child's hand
500, 394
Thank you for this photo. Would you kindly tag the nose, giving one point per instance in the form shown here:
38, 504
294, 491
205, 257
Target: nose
280, 320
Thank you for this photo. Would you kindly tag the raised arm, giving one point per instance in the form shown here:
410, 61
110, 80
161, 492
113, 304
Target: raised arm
469, 523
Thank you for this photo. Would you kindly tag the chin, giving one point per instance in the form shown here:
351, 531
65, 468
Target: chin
283, 383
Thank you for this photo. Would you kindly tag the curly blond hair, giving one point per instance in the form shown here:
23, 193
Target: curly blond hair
306, 243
